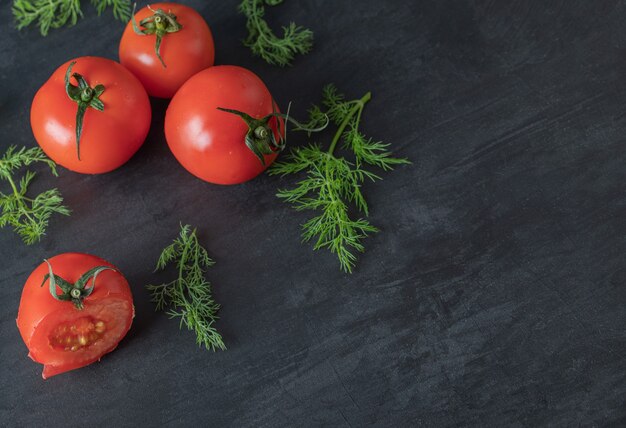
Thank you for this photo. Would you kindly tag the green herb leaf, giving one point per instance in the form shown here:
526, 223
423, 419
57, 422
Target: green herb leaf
49, 14
189, 297
332, 184
121, 8
264, 43
28, 216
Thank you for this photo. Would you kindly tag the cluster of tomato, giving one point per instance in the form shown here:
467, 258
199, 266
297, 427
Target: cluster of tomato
169, 53
92, 116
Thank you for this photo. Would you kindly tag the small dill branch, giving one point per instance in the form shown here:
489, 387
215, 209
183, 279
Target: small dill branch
121, 8
265, 43
189, 297
331, 184
28, 216
49, 14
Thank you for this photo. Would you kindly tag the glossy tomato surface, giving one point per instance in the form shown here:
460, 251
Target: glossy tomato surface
185, 52
110, 137
208, 142
62, 337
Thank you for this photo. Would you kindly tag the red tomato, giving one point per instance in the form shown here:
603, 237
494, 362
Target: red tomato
109, 137
184, 51
210, 143
58, 334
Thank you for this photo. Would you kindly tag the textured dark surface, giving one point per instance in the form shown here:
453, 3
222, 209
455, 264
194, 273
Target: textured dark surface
494, 295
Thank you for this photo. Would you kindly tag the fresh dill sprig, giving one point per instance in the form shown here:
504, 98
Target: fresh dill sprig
332, 184
264, 43
47, 13
57, 13
121, 8
28, 216
189, 297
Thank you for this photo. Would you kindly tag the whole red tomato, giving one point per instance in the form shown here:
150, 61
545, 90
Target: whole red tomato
115, 120
90, 312
164, 45
219, 146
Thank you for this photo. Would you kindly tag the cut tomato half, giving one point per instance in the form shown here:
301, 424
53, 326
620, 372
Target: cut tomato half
67, 330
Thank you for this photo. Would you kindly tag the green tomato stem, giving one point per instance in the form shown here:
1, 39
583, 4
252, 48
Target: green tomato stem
159, 24
85, 96
75, 292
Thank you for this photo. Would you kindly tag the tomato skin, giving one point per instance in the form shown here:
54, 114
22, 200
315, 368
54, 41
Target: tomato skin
39, 312
184, 52
210, 143
110, 137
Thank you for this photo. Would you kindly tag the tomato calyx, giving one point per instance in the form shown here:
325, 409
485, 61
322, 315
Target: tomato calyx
73, 292
160, 24
260, 138
85, 96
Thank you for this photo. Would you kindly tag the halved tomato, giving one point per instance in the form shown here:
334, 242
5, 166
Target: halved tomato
74, 309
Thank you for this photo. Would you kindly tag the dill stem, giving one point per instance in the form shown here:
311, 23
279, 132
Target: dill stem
12, 183
181, 267
19, 199
257, 24
184, 259
357, 107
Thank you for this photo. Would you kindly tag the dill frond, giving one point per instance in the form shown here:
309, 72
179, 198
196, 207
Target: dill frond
189, 297
332, 184
121, 8
29, 217
49, 14
267, 45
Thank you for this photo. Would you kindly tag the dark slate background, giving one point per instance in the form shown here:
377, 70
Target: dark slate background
494, 294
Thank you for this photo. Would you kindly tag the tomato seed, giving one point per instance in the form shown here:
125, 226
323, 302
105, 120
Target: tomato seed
83, 332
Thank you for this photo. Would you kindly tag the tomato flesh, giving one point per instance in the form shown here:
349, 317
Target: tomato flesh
77, 334
73, 339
